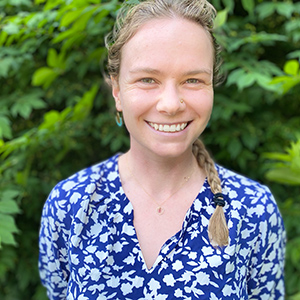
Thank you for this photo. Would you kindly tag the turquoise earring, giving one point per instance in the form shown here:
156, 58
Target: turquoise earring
119, 119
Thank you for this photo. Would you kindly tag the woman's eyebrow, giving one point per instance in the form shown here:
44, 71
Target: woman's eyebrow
156, 72
198, 71
145, 70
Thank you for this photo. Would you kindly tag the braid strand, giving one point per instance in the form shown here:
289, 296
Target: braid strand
217, 227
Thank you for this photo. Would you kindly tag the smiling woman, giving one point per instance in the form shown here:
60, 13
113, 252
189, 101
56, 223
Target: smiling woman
162, 220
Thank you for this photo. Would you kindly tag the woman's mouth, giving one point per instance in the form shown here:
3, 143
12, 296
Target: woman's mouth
168, 128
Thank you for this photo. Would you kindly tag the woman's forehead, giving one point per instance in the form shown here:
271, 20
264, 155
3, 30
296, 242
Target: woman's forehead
170, 26
160, 40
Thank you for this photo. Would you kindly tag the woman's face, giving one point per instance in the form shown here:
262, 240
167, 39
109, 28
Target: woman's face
166, 61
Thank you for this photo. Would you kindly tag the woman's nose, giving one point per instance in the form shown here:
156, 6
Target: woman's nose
169, 101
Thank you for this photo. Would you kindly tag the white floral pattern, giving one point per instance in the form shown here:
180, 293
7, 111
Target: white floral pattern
89, 249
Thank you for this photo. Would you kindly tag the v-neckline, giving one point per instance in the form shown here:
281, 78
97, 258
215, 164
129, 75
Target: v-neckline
172, 241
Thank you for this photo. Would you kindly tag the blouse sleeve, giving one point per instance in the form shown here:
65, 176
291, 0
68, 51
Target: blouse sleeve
266, 275
53, 257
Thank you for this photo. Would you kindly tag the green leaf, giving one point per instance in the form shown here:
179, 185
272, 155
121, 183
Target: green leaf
44, 76
284, 175
39, 1
234, 76
286, 168
285, 9
132, 2
242, 78
264, 82
24, 105
101, 15
75, 39
82, 21
246, 80
52, 58
3, 37
221, 18
5, 129
285, 83
290, 83
9, 207
50, 119
70, 17
278, 156
291, 67
53, 3
229, 5
64, 35
248, 5
294, 54
84, 106
9, 194
61, 62
6, 64
265, 9
11, 28
7, 228
256, 38
279, 79
20, 2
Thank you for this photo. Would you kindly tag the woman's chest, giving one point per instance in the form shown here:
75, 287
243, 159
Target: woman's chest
108, 255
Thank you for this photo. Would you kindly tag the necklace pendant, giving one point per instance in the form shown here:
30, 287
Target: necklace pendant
160, 210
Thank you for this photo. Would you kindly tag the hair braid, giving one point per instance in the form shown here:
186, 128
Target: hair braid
217, 227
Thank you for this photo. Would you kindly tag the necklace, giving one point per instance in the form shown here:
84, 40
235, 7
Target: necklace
159, 209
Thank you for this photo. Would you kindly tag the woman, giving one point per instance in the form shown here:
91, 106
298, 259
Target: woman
162, 221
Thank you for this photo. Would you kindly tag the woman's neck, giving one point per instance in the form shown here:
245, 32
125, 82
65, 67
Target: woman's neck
157, 174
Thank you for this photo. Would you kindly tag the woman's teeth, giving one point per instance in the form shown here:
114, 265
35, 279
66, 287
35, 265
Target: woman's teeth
168, 128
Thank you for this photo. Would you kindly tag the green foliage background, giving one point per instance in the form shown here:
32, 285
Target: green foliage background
57, 115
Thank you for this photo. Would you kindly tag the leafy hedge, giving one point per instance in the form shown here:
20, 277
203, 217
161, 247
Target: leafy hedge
57, 114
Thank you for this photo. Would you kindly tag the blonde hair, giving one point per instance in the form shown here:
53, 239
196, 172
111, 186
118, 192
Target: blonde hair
129, 20
217, 227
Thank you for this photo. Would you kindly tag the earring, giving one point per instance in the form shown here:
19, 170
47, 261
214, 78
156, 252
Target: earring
119, 119
181, 100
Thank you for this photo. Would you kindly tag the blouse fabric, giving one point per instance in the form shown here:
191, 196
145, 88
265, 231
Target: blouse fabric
89, 249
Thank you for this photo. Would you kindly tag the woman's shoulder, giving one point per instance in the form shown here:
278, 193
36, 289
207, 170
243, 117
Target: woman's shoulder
252, 202
236, 181
75, 201
89, 183
243, 191
93, 173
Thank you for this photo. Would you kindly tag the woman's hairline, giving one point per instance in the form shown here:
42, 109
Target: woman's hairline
170, 16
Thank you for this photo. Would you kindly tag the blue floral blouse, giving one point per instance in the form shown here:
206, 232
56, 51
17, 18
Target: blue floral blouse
89, 248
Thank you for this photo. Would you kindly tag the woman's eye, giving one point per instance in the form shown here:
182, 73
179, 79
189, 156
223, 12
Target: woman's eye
193, 81
147, 80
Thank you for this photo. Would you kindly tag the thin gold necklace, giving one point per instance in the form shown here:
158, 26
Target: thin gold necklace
159, 209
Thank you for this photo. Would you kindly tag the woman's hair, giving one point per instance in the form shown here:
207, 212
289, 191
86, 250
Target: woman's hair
129, 20
217, 227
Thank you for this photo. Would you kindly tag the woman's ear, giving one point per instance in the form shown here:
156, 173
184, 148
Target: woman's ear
116, 93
